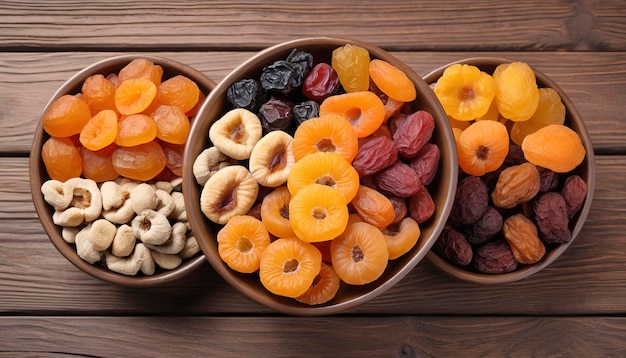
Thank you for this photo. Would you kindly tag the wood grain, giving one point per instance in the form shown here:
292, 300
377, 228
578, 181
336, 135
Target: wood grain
589, 279
593, 80
423, 25
313, 337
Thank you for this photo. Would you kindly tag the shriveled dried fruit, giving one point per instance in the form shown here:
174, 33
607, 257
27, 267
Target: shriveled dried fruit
236, 133
276, 114
517, 184
521, 233
494, 258
556, 147
470, 202
272, 158
551, 218
426, 163
229, 192
574, 192
421, 205
485, 228
375, 155
352, 65
482, 147
413, 132
549, 179
517, 94
398, 179
373, 207
452, 245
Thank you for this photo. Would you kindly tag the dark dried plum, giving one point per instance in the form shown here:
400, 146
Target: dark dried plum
551, 218
495, 257
276, 114
282, 77
305, 110
303, 60
574, 192
470, 202
548, 179
247, 94
485, 228
452, 245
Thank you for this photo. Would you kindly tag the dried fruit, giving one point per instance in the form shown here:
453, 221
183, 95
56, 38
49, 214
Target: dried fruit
247, 94
98, 165
141, 68
521, 233
401, 237
352, 65
375, 155
321, 82
426, 163
574, 192
551, 217
516, 184
135, 129
318, 213
363, 110
556, 147
485, 228
549, 179
392, 81
141, 162
99, 93
453, 246
373, 207
236, 133
229, 192
494, 258
413, 133
398, 179
276, 114
324, 287
304, 111
482, 147
99, 131
359, 255
328, 133
281, 77
172, 124
66, 116
517, 94
275, 212
134, 95
272, 158
399, 207
178, 91
241, 242
550, 110
470, 202
61, 158
421, 205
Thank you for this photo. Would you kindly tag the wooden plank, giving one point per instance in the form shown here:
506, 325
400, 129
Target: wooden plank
590, 278
401, 336
397, 25
595, 81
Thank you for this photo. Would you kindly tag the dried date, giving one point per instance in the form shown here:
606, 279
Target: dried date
485, 228
413, 132
551, 218
426, 162
516, 184
399, 207
452, 245
574, 192
421, 206
398, 179
521, 234
494, 258
470, 202
375, 155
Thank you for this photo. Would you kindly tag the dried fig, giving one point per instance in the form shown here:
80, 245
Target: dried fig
272, 159
236, 133
229, 192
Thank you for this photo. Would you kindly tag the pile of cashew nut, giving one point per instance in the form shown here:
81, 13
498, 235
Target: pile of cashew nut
128, 226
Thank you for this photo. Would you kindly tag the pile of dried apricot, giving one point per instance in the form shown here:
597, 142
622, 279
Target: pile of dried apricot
516, 193
319, 173
121, 139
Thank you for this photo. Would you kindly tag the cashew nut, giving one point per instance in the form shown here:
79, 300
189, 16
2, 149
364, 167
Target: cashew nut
166, 261
177, 184
132, 264
236, 133
191, 248
163, 185
69, 217
69, 234
57, 194
151, 227
101, 234
124, 241
143, 197
112, 195
124, 213
165, 202
84, 248
208, 162
175, 243
179, 213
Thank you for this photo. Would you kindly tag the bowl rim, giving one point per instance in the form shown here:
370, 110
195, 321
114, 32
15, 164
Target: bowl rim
36, 172
230, 276
528, 270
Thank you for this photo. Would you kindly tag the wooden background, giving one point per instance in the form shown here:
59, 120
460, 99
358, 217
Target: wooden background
575, 307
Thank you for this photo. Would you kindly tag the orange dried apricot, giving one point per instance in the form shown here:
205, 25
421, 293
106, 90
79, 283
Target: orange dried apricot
289, 266
141, 68
172, 124
550, 110
517, 94
363, 110
275, 212
318, 213
66, 116
174, 154
401, 237
135, 129
359, 255
351, 63
100, 130
392, 81
465, 92
373, 207
241, 242
99, 93
134, 95
482, 147
61, 158
98, 165
324, 287
326, 168
141, 162
329, 133
555, 147
178, 91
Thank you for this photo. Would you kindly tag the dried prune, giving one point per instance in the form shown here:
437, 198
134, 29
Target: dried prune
452, 245
276, 114
375, 155
548, 179
281, 76
305, 110
516, 184
322, 81
421, 206
574, 192
413, 132
398, 179
470, 202
521, 234
515, 155
494, 258
303, 60
247, 94
551, 218
485, 228
426, 162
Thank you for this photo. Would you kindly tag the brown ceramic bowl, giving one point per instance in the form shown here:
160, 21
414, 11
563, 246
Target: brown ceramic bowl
38, 174
586, 170
348, 296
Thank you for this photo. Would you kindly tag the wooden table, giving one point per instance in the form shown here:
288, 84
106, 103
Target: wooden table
575, 307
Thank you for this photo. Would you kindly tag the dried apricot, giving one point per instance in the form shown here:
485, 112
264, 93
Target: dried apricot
517, 94
465, 92
401, 237
141, 162
363, 110
550, 110
556, 147
318, 213
178, 91
241, 242
324, 287
352, 66
289, 266
275, 212
392, 81
98, 165
66, 116
135, 129
359, 255
100, 130
141, 68
61, 158
99, 93
134, 95
482, 147
373, 207
174, 154
172, 124
329, 133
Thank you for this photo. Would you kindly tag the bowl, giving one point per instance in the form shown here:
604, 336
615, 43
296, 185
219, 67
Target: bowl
349, 296
38, 173
586, 170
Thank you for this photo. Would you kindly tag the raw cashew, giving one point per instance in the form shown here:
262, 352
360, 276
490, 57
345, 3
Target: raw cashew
69, 234
166, 261
175, 243
68, 217
112, 195
132, 264
101, 234
57, 194
191, 248
179, 213
236, 133
124, 241
86, 196
163, 185
151, 227
208, 162
165, 202
85, 249
143, 197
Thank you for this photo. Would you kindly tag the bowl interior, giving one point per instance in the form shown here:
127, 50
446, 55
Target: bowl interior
586, 170
442, 189
38, 174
